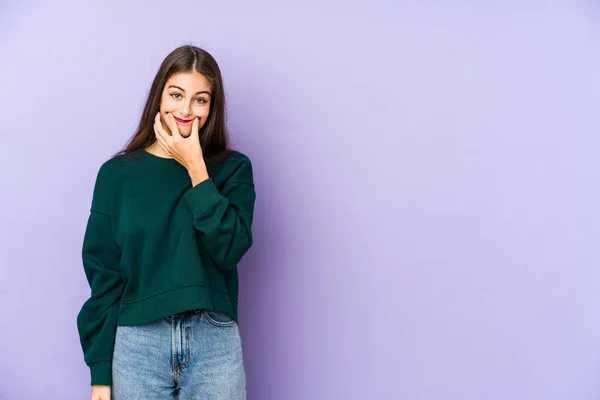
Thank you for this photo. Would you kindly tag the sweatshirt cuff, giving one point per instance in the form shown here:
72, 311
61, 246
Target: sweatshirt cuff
101, 373
202, 195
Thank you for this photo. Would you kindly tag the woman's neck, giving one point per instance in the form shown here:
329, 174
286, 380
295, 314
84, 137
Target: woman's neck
155, 149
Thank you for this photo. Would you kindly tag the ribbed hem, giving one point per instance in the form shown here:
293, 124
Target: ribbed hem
101, 373
174, 302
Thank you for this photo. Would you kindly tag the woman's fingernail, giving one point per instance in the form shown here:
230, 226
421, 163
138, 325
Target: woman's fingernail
198, 118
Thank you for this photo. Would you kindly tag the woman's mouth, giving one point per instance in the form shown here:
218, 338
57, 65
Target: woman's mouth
182, 121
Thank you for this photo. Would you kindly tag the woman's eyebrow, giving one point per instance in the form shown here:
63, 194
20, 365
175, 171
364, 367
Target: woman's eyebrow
177, 87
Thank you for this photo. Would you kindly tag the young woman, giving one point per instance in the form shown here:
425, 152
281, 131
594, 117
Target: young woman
170, 219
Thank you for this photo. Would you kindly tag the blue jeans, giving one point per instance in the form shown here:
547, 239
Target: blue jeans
193, 355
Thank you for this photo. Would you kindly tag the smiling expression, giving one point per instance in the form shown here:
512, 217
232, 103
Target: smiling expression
186, 96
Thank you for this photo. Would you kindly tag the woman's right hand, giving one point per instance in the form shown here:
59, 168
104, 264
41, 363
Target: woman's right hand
100, 392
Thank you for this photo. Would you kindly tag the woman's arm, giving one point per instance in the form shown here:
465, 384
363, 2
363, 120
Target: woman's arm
97, 319
224, 218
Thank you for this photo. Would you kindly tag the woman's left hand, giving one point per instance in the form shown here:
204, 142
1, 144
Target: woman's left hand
187, 151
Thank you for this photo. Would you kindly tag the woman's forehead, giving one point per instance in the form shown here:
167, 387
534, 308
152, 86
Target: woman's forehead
189, 82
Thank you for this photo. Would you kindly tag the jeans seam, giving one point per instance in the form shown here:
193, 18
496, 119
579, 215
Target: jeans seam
187, 344
174, 360
217, 323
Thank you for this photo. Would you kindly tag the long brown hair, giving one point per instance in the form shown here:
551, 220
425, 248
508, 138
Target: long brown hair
214, 137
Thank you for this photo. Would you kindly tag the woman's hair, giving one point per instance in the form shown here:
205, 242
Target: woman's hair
214, 137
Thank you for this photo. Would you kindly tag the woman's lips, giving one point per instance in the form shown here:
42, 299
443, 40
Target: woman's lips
182, 121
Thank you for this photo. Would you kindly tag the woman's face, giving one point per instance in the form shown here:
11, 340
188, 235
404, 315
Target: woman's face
186, 95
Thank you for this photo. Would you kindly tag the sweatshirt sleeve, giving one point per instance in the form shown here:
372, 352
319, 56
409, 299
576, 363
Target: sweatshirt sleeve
224, 218
97, 319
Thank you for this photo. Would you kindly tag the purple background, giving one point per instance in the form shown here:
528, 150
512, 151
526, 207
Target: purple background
427, 172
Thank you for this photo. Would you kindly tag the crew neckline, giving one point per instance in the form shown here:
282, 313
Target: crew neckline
152, 155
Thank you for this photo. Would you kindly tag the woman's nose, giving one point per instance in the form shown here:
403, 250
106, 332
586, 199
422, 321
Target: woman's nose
186, 108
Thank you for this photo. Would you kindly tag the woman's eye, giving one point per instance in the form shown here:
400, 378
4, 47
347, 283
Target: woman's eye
201, 100
175, 95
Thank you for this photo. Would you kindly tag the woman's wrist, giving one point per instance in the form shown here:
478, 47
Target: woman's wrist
198, 173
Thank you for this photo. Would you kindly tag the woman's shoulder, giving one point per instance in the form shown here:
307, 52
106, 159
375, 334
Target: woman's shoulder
236, 166
110, 181
119, 163
115, 169
237, 157
237, 160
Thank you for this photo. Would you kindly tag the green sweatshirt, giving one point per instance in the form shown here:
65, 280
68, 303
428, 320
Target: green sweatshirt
156, 246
